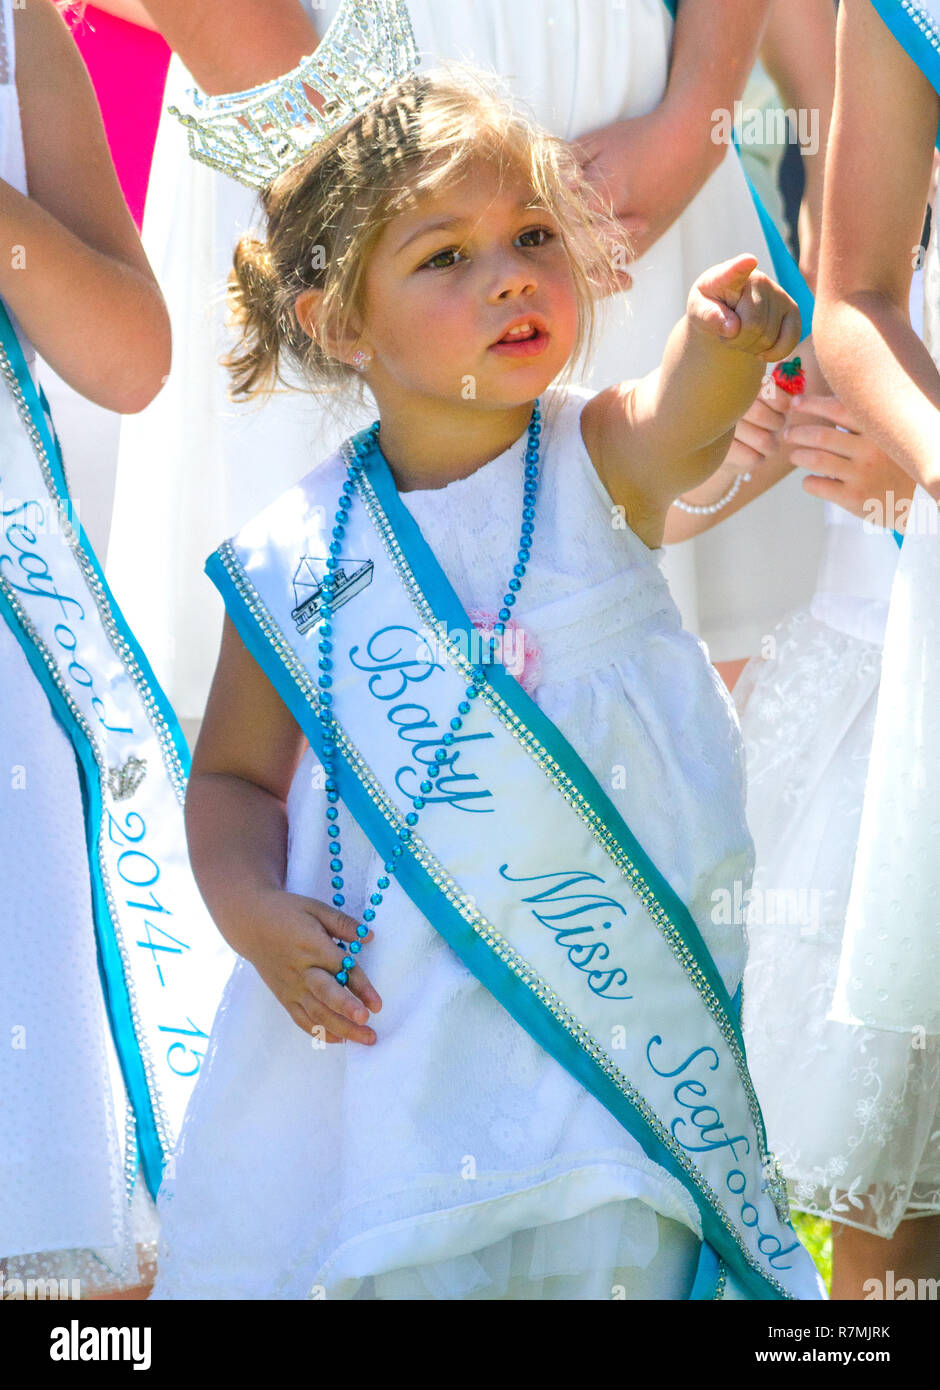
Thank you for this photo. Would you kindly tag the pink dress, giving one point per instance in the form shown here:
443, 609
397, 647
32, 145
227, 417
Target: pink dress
128, 66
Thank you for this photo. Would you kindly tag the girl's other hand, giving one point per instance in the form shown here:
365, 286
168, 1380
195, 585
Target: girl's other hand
294, 953
739, 305
845, 465
758, 434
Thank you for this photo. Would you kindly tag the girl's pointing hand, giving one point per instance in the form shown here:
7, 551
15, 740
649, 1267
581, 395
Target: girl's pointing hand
741, 306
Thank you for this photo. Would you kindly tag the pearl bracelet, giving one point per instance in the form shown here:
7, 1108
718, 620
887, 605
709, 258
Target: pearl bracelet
713, 507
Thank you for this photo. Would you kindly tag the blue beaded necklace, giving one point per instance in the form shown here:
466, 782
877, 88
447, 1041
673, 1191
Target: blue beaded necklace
325, 629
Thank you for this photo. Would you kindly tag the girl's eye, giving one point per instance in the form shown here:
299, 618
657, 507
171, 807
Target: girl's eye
451, 255
442, 260
535, 236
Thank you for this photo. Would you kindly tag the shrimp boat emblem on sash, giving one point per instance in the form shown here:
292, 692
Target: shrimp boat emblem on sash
308, 588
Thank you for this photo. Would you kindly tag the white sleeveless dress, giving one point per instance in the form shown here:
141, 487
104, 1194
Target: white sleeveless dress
63, 1207
578, 65
455, 1159
852, 1110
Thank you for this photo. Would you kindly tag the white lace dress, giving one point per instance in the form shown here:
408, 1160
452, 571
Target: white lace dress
850, 1111
455, 1159
63, 1209
843, 751
888, 976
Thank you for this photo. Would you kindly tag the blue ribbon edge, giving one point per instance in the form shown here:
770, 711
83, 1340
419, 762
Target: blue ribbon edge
787, 270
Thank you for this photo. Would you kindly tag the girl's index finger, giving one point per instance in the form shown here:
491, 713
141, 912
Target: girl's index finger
362, 987
337, 923
829, 408
345, 929
726, 282
774, 398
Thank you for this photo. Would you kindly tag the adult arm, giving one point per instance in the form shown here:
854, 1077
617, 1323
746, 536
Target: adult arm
881, 159
131, 10
651, 167
799, 53
231, 45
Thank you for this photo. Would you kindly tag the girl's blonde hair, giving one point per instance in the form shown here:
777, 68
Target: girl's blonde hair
326, 214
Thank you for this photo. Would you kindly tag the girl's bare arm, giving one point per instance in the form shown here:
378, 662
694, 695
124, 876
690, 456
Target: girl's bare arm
653, 440
236, 826
236, 814
759, 450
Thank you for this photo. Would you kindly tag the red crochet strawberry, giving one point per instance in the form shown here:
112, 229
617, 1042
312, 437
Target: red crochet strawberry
790, 377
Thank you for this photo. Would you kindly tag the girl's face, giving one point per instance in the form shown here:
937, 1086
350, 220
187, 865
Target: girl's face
469, 296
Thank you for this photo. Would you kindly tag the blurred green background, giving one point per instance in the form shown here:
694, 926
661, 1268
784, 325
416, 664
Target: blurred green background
816, 1235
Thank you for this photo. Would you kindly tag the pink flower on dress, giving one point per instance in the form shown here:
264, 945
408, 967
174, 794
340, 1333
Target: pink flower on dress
514, 647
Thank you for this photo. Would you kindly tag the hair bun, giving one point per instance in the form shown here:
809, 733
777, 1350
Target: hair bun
253, 303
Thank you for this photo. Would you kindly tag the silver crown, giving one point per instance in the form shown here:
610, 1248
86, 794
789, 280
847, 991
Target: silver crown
253, 136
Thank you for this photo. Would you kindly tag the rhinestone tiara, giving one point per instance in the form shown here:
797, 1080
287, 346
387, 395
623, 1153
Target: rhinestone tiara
253, 136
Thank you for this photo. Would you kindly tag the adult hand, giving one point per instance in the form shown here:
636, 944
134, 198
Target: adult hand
648, 168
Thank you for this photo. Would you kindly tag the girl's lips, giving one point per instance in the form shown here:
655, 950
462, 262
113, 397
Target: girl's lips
523, 347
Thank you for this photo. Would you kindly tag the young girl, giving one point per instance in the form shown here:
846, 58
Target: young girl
105, 945
848, 1108
542, 1092
634, 84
